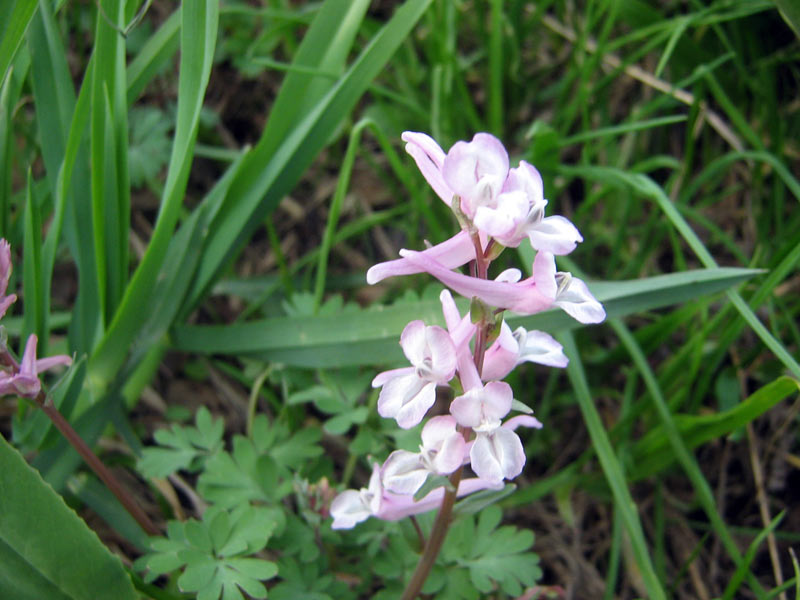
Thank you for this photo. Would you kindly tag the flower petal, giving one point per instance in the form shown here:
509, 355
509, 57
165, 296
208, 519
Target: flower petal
555, 234
540, 347
524, 297
413, 411
429, 158
382, 378
476, 171
502, 356
347, 509
403, 472
452, 253
579, 303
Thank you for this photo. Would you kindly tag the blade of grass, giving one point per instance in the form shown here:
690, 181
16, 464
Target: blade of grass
648, 188
678, 448
14, 19
267, 176
743, 567
199, 21
624, 505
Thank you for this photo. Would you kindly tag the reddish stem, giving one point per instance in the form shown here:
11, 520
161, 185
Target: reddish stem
96, 464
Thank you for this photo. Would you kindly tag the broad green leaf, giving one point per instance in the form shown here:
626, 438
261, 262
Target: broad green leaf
49, 542
370, 337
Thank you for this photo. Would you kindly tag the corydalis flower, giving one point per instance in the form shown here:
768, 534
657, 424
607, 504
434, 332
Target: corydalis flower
474, 171
409, 392
24, 380
496, 453
507, 204
354, 506
513, 348
518, 213
542, 291
441, 452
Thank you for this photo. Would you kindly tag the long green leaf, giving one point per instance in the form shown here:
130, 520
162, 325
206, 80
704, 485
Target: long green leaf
361, 337
199, 21
790, 11
261, 185
612, 469
650, 189
15, 17
651, 454
45, 548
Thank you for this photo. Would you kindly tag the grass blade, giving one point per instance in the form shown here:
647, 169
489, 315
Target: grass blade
625, 506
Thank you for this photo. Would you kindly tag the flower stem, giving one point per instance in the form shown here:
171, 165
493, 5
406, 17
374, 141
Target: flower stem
435, 541
96, 464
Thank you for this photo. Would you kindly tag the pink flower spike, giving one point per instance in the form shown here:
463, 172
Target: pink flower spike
529, 296
483, 408
452, 253
476, 171
429, 158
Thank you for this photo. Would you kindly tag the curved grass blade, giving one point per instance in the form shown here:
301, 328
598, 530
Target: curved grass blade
625, 506
679, 449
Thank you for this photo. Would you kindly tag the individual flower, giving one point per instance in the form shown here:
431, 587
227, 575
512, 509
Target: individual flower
409, 392
354, 506
24, 381
483, 407
518, 213
452, 253
544, 289
442, 451
476, 171
496, 453
513, 348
